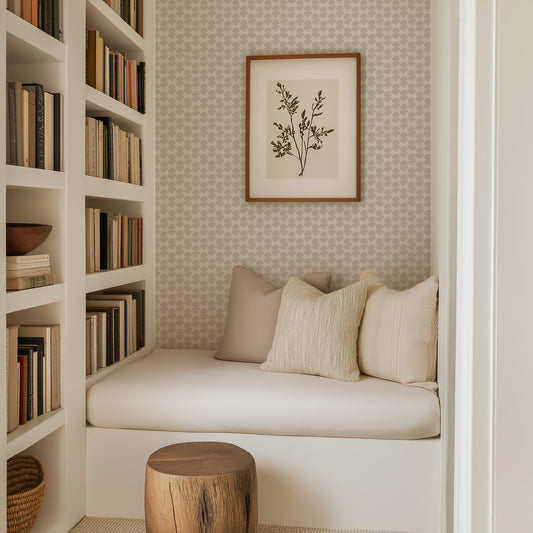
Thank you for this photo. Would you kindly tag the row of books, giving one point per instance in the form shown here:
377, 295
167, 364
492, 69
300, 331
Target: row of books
130, 10
34, 126
114, 327
111, 152
33, 372
112, 240
112, 73
44, 14
28, 271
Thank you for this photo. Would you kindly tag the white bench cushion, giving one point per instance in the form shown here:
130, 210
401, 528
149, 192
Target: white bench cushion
189, 390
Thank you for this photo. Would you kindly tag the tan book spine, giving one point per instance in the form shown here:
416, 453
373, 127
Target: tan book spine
30, 282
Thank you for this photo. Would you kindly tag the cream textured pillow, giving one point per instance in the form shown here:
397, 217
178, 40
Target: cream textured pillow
316, 333
252, 314
398, 334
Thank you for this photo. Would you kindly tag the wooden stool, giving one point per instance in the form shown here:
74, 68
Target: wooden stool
201, 487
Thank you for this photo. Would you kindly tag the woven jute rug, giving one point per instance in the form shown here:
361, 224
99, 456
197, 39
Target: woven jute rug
122, 525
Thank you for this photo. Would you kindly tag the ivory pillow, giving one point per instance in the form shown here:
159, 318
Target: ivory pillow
316, 333
398, 335
252, 314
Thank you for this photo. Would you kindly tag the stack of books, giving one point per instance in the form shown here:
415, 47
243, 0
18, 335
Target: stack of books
35, 131
33, 372
114, 74
44, 14
114, 327
130, 10
112, 240
111, 152
28, 272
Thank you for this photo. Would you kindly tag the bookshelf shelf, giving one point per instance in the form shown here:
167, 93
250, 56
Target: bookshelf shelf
107, 279
27, 44
116, 32
33, 431
113, 190
33, 178
99, 104
94, 378
29, 298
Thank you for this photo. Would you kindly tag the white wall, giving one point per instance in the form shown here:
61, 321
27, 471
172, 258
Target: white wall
494, 410
513, 416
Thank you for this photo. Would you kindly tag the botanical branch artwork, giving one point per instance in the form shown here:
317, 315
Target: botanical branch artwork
296, 140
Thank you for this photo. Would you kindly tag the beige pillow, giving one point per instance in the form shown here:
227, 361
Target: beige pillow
316, 333
252, 314
398, 334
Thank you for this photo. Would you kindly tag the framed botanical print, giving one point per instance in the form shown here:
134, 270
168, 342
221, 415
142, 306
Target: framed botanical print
303, 128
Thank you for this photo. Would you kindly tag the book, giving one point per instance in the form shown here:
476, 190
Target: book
91, 58
36, 344
56, 19
25, 272
31, 128
110, 317
121, 324
91, 343
130, 319
30, 282
14, 6
11, 149
89, 240
58, 131
23, 380
140, 17
25, 132
13, 378
26, 10
48, 131
17, 88
51, 361
14, 262
38, 90
139, 297
34, 13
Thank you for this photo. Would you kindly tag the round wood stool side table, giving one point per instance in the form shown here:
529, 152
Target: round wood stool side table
201, 487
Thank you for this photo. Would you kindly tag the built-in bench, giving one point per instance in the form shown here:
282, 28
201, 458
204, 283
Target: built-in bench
329, 453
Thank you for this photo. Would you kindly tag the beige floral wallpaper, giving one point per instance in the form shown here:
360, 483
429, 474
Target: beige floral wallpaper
204, 226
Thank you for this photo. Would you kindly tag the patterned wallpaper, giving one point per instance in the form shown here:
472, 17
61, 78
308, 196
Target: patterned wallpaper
204, 226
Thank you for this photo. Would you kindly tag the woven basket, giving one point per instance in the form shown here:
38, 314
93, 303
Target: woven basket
25, 488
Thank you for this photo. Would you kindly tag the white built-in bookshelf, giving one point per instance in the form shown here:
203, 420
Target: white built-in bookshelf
29, 55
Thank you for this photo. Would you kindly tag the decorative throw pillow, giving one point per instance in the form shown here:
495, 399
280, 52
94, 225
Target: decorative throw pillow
398, 334
316, 333
252, 314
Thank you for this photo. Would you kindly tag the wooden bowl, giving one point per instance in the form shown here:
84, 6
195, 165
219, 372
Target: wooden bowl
23, 238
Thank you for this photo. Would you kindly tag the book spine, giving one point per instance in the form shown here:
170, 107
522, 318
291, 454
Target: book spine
18, 114
39, 126
55, 19
25, 126
48, 131
12, 131
23, 396
34, 12
58, 131
91, 58
26, 10
31, 128
30, 282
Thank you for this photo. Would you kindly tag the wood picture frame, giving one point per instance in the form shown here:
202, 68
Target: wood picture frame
303, 128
